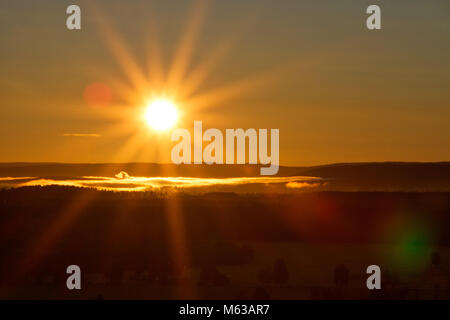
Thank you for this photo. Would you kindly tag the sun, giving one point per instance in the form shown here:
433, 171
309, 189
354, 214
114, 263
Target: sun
161, 114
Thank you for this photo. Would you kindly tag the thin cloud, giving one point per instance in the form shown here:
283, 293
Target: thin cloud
125, 182
87, 135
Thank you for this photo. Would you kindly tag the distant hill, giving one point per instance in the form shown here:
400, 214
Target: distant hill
386, 176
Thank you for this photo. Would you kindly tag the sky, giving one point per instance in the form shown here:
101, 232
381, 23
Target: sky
336, 91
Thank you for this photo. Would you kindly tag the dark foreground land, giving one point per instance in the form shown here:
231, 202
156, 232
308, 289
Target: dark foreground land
223, 245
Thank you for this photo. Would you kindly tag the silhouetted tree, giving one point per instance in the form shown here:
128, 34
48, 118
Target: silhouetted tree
210, 276
280, 272
247, 254
341, 276
265, 276
260, 294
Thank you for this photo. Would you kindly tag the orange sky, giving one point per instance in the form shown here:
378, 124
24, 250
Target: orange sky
336, 91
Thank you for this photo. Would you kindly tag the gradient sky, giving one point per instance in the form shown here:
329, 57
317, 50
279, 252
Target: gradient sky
337, 91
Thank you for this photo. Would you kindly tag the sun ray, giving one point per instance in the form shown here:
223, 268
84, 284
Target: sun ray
155, 61
121, 53
200, 73
253, 82
239, 87
187, 44
43, 244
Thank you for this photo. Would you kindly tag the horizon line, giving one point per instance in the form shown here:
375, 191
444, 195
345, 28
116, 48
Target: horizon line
227, 165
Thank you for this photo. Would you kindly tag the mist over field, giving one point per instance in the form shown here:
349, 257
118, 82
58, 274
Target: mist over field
244, 178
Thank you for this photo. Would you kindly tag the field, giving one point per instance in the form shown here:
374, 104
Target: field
223, 245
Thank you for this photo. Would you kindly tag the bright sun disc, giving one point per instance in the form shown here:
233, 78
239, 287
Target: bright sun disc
161, 114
